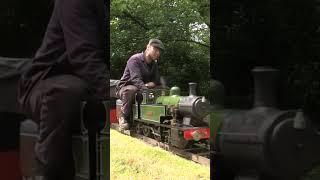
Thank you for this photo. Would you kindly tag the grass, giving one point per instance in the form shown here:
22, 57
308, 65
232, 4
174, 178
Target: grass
133, 159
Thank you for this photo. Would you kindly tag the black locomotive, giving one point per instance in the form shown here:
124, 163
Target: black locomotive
262, 142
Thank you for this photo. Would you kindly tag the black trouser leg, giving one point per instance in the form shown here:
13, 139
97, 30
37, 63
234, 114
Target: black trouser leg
57, 101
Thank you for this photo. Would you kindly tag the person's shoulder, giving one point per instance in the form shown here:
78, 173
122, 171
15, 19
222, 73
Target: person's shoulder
136, 58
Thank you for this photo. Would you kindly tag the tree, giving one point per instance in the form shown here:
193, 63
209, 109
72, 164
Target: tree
181, 24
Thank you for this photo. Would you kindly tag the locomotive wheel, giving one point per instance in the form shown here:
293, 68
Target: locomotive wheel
157, 137
146, 131
138, 128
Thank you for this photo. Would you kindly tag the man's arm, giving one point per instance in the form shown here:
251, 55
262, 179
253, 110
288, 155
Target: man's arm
82, 26
135, 74
150, 85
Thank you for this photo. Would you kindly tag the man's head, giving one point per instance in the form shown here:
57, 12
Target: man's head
153, 51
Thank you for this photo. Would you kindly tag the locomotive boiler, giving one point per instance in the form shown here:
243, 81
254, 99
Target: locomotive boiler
263, 142
169, 117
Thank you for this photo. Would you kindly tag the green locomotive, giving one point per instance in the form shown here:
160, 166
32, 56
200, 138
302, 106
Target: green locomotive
166, 116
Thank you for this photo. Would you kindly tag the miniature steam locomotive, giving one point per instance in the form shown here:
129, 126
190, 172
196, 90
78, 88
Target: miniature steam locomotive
180, 121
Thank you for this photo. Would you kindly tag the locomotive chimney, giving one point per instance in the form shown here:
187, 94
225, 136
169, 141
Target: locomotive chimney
265, 86
192, 89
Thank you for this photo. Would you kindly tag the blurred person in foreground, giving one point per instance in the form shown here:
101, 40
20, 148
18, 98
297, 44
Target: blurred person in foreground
69, 67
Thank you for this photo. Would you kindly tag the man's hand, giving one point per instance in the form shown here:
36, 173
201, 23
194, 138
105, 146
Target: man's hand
150, 85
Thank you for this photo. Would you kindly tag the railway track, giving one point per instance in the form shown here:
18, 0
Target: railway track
198, 155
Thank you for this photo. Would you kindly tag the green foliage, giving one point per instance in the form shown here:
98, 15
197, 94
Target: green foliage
282, 34
183, 27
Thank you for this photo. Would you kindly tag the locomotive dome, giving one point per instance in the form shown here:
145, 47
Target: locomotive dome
175, 90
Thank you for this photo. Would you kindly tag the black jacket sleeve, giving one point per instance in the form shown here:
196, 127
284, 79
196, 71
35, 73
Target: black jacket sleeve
82, 25
135, 74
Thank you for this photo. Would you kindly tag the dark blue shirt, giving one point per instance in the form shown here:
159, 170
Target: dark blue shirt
138, 72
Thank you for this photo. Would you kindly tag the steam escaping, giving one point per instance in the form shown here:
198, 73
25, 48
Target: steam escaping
163, 82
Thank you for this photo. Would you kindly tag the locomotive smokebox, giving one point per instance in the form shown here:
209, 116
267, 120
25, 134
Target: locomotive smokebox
265, 86
194, 107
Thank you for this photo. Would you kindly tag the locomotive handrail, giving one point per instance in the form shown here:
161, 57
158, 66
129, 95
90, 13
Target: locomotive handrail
139, 99
91, 111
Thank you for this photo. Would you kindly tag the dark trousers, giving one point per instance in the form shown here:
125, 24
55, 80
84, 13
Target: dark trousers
55, 104
127, 96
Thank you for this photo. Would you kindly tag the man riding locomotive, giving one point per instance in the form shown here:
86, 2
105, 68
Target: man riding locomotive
141, 72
